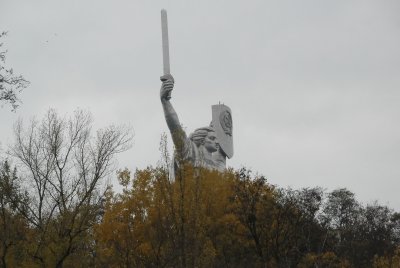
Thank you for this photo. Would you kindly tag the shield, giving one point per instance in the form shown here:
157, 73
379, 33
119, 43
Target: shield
222, 123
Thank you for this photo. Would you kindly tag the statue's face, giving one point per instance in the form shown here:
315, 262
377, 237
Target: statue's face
210, 142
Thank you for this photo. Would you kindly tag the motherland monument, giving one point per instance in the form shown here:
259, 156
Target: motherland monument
207, 147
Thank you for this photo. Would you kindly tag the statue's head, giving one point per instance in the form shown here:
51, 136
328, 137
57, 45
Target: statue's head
206, 137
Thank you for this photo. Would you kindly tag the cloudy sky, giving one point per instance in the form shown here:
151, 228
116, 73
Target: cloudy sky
314, 86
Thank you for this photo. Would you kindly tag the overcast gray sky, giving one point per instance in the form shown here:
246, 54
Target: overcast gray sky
314, 86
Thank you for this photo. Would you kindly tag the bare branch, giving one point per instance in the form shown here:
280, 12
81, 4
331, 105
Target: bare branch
10, 84
66, 165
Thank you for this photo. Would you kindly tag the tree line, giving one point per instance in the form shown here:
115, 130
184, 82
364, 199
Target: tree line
57, 209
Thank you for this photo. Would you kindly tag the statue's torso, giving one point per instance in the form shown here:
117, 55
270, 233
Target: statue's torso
193, 154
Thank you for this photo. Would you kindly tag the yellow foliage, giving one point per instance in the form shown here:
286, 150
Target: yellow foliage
327, 260
160, 222
204, 219
388, 261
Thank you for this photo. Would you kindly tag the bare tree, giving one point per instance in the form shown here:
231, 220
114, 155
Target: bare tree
10, 84
64, 167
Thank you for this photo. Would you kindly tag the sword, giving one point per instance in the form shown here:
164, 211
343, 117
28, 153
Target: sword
165, 44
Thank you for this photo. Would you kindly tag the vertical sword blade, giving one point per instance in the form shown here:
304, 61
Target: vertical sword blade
165, 43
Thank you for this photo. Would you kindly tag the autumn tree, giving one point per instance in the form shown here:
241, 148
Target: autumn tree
64, 168
309, 201
204, 218
14, 228
235, 219
376, 234
341, 219
153, 218
255, 207
387, 260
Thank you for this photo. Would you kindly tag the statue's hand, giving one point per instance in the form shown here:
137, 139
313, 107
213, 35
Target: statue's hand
166, 87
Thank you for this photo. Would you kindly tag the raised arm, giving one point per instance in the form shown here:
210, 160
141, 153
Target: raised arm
178, 134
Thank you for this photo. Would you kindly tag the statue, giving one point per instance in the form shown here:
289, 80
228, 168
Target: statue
206, 147
199, 147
